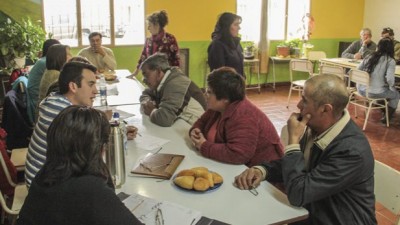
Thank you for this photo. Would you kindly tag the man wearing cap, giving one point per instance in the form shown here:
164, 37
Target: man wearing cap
389, 33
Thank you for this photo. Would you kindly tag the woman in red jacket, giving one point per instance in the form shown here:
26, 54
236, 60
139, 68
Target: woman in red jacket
234, 130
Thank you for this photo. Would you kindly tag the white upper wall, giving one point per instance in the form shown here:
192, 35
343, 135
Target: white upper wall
379, 14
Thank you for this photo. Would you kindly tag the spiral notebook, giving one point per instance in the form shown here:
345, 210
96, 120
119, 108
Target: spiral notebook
159, 165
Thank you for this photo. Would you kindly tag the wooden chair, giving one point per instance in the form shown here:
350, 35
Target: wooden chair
387, 189
20, 194
300, 66
368, 103
18, 158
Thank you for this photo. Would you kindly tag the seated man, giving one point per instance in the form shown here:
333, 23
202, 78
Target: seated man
100, 56
361, 48
170, 94
328, 166
389, 33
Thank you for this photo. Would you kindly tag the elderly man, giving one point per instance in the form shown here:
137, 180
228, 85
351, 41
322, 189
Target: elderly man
389, 33
170, 94
328, 166
361, 48
100, 56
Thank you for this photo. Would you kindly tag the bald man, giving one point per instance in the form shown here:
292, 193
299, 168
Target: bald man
328, 166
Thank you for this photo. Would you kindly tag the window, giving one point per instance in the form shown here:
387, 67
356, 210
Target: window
72, 23
286, 19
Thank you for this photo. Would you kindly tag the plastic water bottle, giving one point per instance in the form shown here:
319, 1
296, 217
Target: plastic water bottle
103, 91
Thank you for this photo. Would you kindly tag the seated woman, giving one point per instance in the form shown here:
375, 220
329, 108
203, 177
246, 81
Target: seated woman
381, 67
233, 130
74, 185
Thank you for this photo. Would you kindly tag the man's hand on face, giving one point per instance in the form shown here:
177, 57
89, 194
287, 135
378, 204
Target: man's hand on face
367, 41
98, 50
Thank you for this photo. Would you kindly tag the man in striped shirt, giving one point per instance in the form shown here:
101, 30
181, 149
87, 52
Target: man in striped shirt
77, 83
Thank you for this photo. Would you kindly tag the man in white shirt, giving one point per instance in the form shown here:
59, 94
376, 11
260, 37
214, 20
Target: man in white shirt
100, 56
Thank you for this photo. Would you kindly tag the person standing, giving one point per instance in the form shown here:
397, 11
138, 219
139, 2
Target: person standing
361, 48
381, 67
389, 33
225, 48
100, 56
160, 41
328, 166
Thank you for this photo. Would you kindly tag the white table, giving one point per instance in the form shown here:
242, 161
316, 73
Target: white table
129, 90
227, 204
349, 63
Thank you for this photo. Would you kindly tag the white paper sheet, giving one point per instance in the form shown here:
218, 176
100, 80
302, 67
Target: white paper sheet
148, 142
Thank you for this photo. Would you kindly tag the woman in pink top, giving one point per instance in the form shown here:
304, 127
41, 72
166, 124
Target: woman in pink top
234, 130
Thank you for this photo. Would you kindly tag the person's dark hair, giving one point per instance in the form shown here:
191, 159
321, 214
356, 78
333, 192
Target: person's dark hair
47, 44
388, 30
76, 140
160, 18
95, 34
56, 57
222, 29
385, 48
72, 72
226, 83
328, 89
156, 61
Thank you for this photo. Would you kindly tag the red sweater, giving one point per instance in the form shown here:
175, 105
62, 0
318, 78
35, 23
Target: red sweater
245, 135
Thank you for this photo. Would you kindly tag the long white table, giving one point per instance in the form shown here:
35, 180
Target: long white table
227, 204
129, 90
349, 63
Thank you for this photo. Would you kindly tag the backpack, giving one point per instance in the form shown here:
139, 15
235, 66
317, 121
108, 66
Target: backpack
15, 119
15, 74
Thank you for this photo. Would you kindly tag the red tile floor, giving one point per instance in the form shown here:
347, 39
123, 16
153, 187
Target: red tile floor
384, 141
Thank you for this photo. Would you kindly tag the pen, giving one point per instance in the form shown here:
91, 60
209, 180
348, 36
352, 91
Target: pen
137, 206
126, 123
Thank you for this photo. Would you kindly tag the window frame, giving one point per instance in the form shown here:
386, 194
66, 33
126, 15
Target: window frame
112, 25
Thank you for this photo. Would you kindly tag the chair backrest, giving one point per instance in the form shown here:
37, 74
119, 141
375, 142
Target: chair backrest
316, 55
359, 77
301, 65
285, 135
387, 187
343, 45
334, 70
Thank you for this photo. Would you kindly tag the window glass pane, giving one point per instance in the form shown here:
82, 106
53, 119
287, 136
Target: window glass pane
129, 22
95, 16
251, 14
276, 19
297, 22
61, 21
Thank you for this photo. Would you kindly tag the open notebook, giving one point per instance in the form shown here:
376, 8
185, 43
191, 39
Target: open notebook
159, 165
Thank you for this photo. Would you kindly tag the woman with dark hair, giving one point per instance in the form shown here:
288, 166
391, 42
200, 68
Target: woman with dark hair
233, 130
381, 67
160, 40
57, 56
35, 76
225, 48
74, 184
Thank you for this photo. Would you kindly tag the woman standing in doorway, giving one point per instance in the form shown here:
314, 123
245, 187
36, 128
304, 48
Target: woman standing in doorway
225, 48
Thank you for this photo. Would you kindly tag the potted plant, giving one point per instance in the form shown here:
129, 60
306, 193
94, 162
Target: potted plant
294, 45
283, 49
19, 40
249, 50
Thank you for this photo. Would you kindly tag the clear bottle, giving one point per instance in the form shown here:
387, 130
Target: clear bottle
103, 90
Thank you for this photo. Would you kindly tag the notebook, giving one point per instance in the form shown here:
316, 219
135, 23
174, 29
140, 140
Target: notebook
159, 165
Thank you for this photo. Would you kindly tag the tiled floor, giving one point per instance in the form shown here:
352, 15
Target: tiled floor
385, 141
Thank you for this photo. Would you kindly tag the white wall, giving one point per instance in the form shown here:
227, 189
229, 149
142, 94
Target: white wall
379, 14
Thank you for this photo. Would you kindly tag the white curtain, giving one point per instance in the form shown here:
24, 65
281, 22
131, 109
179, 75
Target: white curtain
263, 45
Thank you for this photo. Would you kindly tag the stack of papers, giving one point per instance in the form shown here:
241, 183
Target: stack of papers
147, 209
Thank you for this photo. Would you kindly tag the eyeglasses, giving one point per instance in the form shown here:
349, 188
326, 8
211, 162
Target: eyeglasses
159, 217
254, 191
